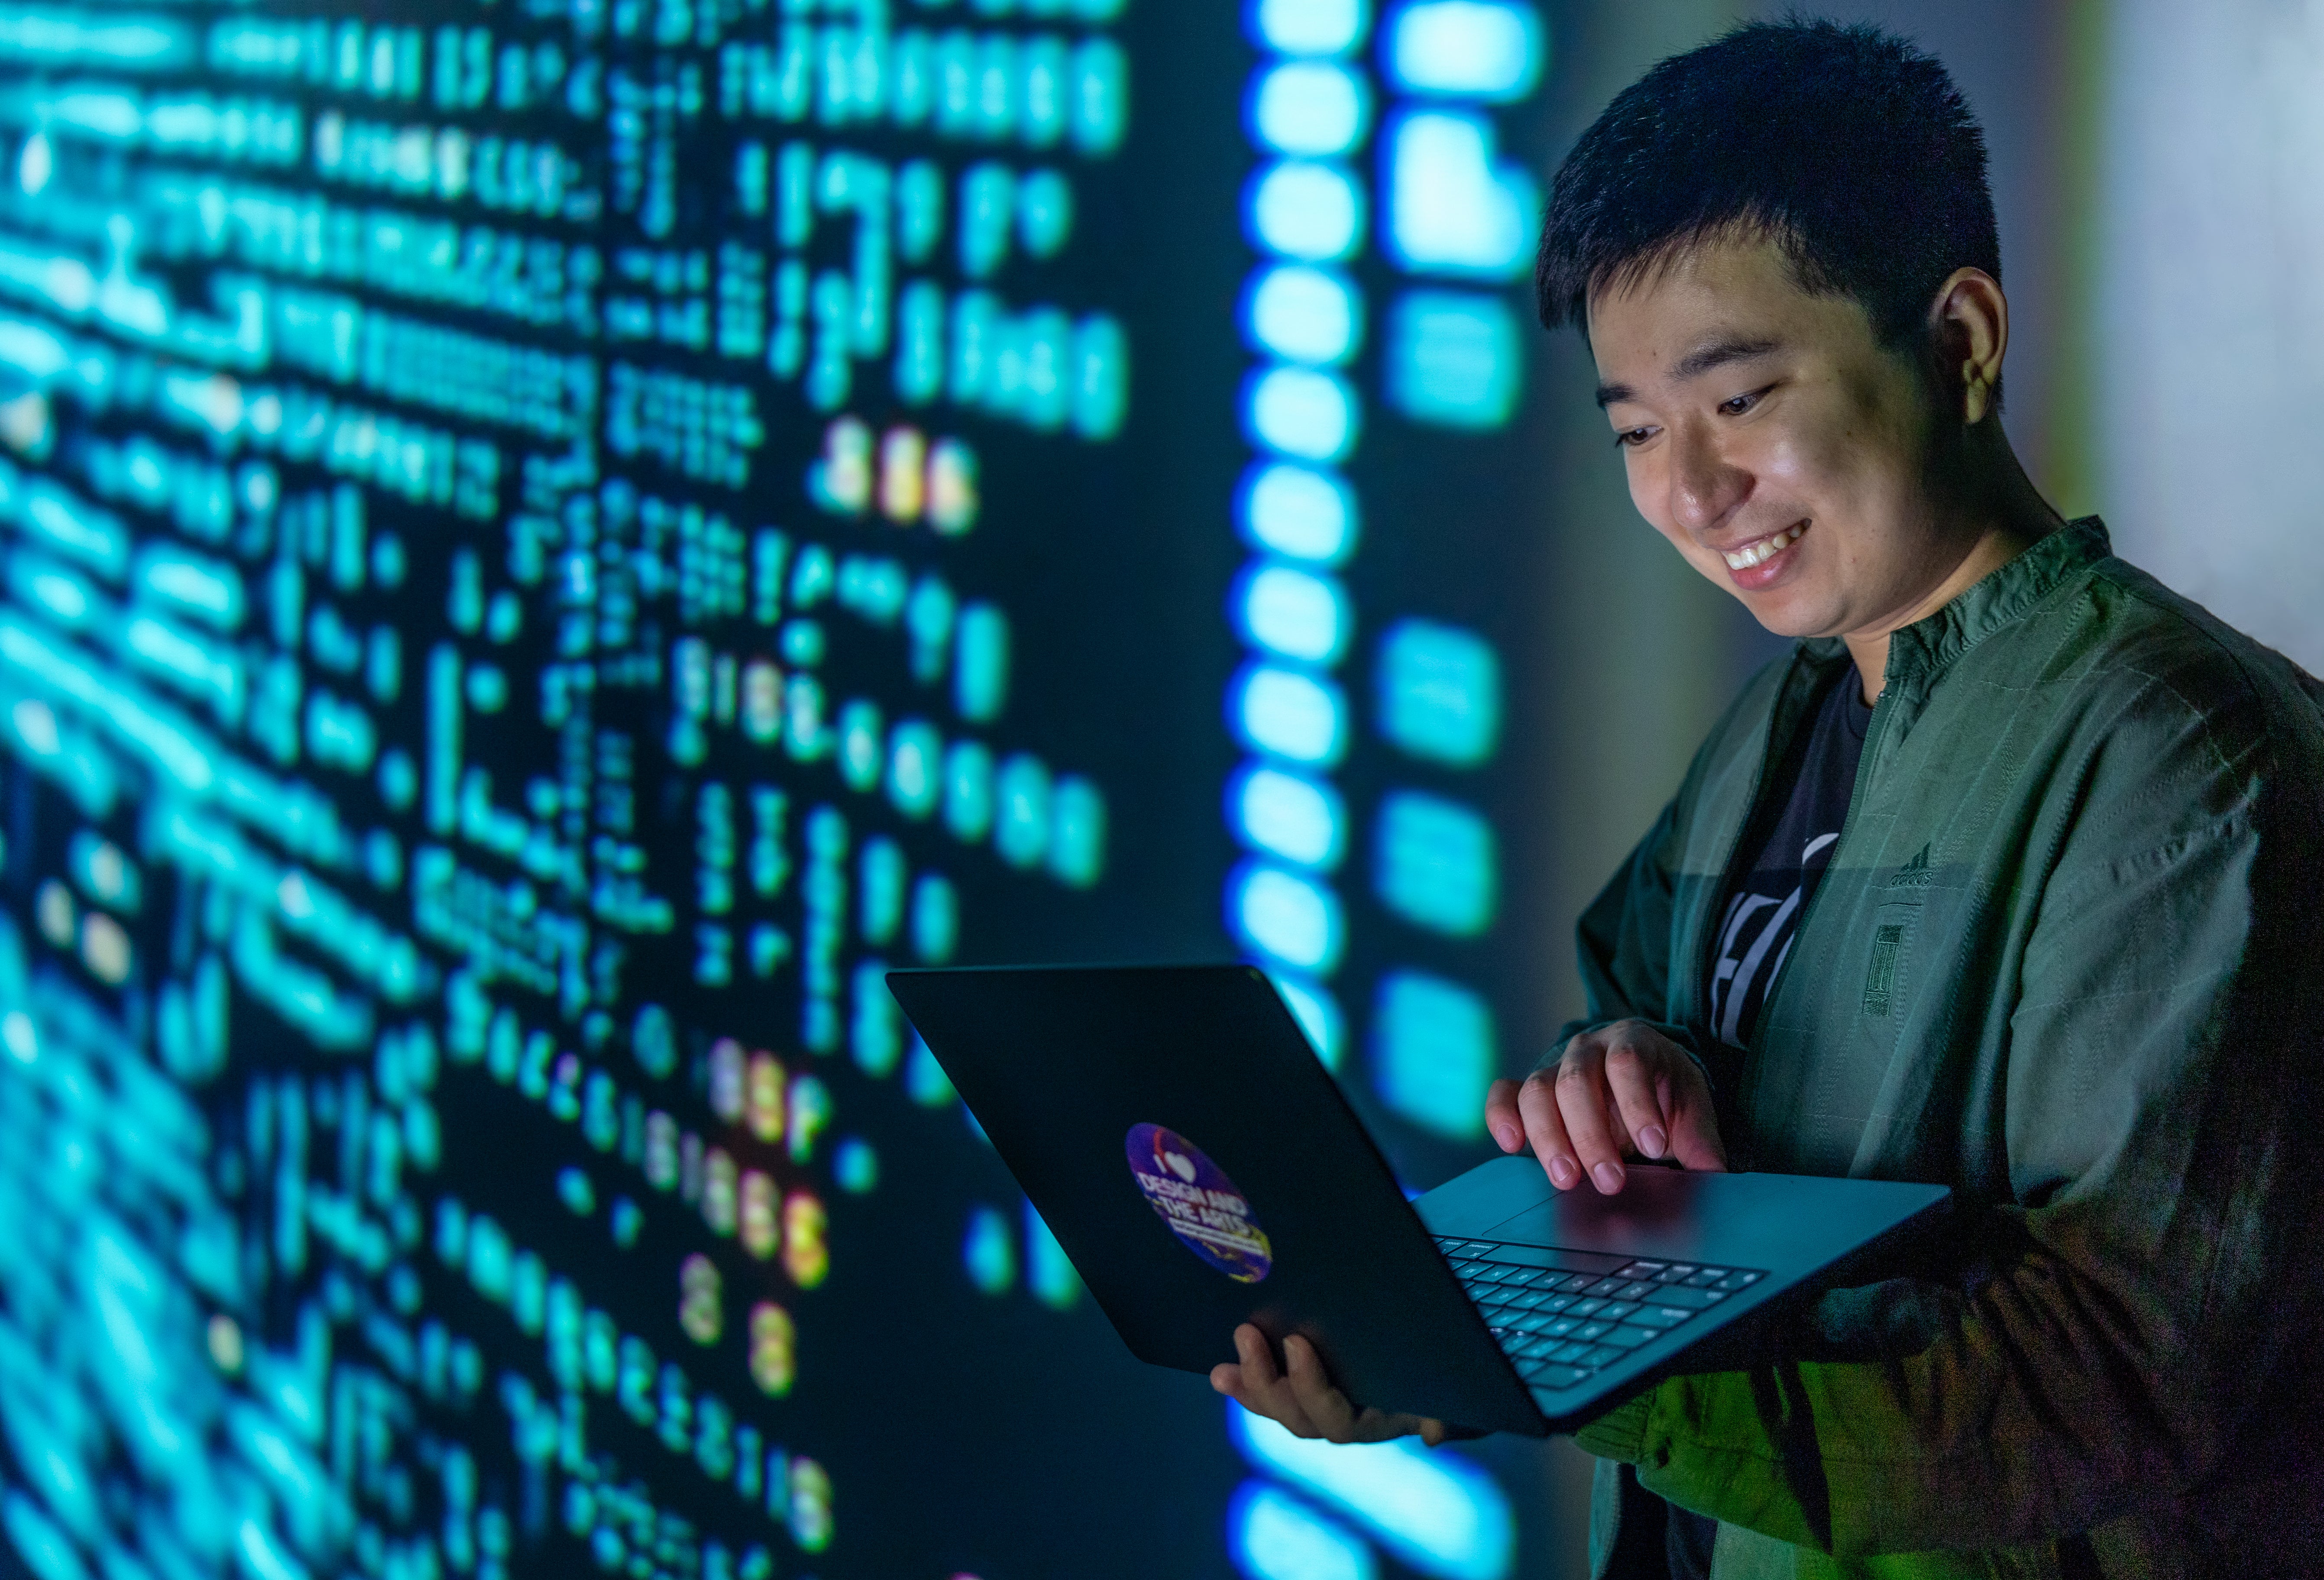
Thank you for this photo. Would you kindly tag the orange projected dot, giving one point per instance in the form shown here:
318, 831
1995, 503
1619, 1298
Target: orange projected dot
806, 1257
225, 1344
105, 948
774, 1349
726, 1079
811, 1521
762, 701
719, 1191
810, 1112
842, 479
56, 911
701, 1303
903, 458
761, 1233
661, 1150
952, 486
763, 1104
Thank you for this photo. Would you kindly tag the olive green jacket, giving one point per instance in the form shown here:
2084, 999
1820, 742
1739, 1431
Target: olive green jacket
2067, 959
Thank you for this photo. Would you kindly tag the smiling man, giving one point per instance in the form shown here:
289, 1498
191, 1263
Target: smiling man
2005, 879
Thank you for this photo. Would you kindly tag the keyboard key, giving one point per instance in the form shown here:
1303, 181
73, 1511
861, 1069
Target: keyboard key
1557, 1302
1595, 1355
1662, 1315
1734, 1281
1678, 1272
1604, 1287
1638, 1290
1527, 1277
1707, 1277
1462, 1268
1543, 1375
1532, 1321
1628, 1336
1616, 1310
1585, 1307
1592, 1332
1560, 1327
1641, 1269
1566, 1353
1681, 1295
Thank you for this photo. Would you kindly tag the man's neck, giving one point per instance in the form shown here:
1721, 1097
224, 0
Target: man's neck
2015, 518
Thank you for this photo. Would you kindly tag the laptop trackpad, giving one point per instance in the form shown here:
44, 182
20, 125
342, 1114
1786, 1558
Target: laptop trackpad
1657, 1213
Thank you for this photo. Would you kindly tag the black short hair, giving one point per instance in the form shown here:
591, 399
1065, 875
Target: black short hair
1849, 146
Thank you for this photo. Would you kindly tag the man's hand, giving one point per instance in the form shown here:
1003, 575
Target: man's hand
1624, 1090
1301, 1396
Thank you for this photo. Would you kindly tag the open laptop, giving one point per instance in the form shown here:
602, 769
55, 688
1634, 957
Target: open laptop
1201, 1169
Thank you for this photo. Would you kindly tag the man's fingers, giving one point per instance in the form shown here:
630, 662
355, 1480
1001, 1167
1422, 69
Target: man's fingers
1537, 1102
1695, 1127
1502, 1119
1323, 1404
1258, 1355
1633, 1080
1264, 1389
1583, 1105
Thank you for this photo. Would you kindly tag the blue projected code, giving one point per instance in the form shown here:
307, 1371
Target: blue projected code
545, 545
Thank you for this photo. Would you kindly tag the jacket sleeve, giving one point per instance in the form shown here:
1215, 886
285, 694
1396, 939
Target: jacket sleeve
1623, 941
2138, 1318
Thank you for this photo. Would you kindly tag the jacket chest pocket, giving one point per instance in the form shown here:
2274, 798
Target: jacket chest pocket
1889, 968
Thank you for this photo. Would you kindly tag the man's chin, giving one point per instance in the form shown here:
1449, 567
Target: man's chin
1784, 613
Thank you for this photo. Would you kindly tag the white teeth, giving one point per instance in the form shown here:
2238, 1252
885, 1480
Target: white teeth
1751, 554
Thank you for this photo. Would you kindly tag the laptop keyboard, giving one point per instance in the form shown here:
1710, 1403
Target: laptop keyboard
1560, 1316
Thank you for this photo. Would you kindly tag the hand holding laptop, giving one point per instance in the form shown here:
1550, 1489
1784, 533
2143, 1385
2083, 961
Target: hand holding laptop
1206, 1175
1623, 1090
1300, 1395
1620, 1091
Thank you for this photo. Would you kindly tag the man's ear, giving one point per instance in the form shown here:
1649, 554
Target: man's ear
1971, 325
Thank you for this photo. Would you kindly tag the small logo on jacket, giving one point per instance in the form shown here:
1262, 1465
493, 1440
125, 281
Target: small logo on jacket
1914, 873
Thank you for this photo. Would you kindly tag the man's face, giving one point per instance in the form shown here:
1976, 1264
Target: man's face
1773, 440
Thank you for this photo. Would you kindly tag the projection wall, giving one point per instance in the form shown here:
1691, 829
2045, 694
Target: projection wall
548, 543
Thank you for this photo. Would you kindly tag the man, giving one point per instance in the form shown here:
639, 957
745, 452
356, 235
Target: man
2004, 879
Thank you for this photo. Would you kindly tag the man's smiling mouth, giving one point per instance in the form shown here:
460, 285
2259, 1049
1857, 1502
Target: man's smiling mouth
1764, 548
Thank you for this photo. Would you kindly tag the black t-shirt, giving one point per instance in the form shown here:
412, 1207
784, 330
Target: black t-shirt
1761, 912
1755, 928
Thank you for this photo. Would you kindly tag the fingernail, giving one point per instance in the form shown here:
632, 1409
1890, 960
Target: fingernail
1608, 1177
1652, 1141
1563, 1173
1501, 1138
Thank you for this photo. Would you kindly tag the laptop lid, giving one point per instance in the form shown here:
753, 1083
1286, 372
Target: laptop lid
1202, 1170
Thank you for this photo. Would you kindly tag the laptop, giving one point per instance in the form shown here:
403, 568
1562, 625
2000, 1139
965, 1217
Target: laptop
1201, 1169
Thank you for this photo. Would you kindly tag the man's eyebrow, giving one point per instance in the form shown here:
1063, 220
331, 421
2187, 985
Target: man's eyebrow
1694, 364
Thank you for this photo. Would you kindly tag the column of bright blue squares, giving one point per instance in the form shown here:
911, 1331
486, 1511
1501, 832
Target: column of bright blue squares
1459, 219
1309, 115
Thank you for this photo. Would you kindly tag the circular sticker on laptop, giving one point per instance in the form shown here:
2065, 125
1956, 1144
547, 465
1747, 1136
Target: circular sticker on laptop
1199, 1204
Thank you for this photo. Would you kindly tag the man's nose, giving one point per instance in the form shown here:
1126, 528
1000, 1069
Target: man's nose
1704, 485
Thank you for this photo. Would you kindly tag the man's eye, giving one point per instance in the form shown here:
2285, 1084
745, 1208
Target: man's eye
1741, 403
1631, 438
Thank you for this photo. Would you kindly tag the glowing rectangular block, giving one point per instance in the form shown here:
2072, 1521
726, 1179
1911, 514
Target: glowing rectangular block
1432, 1052
1440, 692
1454, 359
1433, 862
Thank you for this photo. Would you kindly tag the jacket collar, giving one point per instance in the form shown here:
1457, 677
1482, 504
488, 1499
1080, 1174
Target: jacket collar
1927, 647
